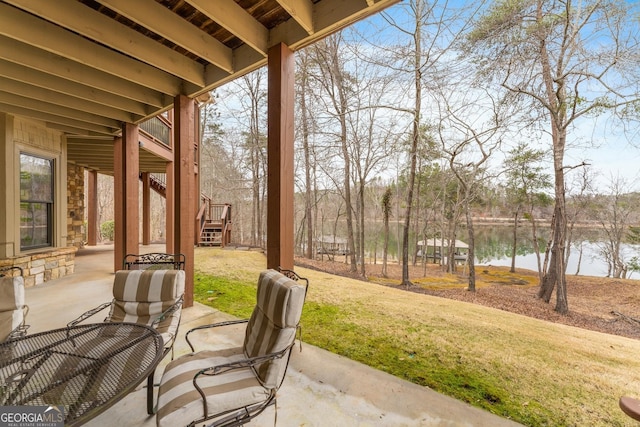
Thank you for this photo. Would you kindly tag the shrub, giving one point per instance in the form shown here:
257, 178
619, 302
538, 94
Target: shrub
107, 230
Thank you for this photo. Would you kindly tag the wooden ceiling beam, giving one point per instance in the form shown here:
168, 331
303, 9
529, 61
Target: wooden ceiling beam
301, 11
68, 129
83, 20
47, 81
58, 110
39, 114
161, 21
34, 58
246, 59
232, 17
39, 94
57, 56
329, 16
22, 26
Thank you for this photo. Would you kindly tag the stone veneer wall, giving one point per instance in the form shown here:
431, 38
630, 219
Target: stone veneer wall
42, 267
75, 206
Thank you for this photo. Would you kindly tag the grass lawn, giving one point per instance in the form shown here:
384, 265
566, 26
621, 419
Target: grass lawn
534, 372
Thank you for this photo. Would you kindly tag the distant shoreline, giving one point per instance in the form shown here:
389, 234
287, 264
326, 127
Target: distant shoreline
523, 222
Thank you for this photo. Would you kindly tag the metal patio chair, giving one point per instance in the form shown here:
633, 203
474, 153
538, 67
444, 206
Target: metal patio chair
154, 261
150, 296
229, 387
13, 309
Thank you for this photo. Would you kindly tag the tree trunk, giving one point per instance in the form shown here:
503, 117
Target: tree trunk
515, 242
308, 196
536, 246
579, 260
385, 249
415, 139
557, 98
363, 272
471, 252
342, 105
548, 282
386, 211
450, 260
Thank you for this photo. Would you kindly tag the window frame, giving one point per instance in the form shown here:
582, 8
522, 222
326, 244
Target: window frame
49, 203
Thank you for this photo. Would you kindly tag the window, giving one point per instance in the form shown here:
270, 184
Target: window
36, 202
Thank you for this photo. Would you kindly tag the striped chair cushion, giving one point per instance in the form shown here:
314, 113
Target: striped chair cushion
273, 323
178, 400
140, 296
12, 305
271, 328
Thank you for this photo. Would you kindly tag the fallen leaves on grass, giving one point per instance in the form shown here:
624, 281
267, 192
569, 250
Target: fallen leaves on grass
592, 300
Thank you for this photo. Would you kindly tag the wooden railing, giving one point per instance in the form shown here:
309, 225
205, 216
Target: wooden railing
203, 213
159, 129
225, 217
215, 222
213, 219
158, 183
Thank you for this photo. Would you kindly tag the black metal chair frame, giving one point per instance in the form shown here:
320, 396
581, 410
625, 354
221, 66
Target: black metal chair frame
237, 418
154, 260
158, 261
21, 330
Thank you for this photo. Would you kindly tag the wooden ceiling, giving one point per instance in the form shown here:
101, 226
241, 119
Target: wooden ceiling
86, 66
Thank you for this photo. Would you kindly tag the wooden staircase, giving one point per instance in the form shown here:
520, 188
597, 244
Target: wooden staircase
214, 218
158, 185
215, 223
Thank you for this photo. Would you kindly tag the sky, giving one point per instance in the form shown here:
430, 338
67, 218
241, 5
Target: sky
609, 153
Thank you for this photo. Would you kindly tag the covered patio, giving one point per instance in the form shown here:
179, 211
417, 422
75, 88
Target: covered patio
83, 85
78, 81
321, 388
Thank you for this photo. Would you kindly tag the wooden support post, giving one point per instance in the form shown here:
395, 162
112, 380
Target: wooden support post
170, 207
92, 208
197, 200
146, 208
280, 174
184, 186
126, 199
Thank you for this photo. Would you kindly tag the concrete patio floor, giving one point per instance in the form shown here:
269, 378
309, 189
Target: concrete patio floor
321, 388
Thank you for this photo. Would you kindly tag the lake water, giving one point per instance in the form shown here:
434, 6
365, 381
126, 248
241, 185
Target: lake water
590, 265
493, 247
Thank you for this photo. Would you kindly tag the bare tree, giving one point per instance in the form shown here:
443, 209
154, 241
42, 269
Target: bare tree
579, 202
352, 92
429, 37
307, 124
335, 81
525, 186
568, 59
253, 88
386, 212
470, 129
615, 210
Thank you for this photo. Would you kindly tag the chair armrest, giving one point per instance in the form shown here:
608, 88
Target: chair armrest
18, 332
242, 363
84, 316
168, 312
212, 325
238, 364
21, 330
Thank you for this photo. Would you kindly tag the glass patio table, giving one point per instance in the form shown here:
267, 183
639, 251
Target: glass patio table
84, 368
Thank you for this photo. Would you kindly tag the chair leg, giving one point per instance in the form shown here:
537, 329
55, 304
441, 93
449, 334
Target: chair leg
151, 407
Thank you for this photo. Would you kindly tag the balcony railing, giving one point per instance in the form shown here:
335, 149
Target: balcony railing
159, 129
